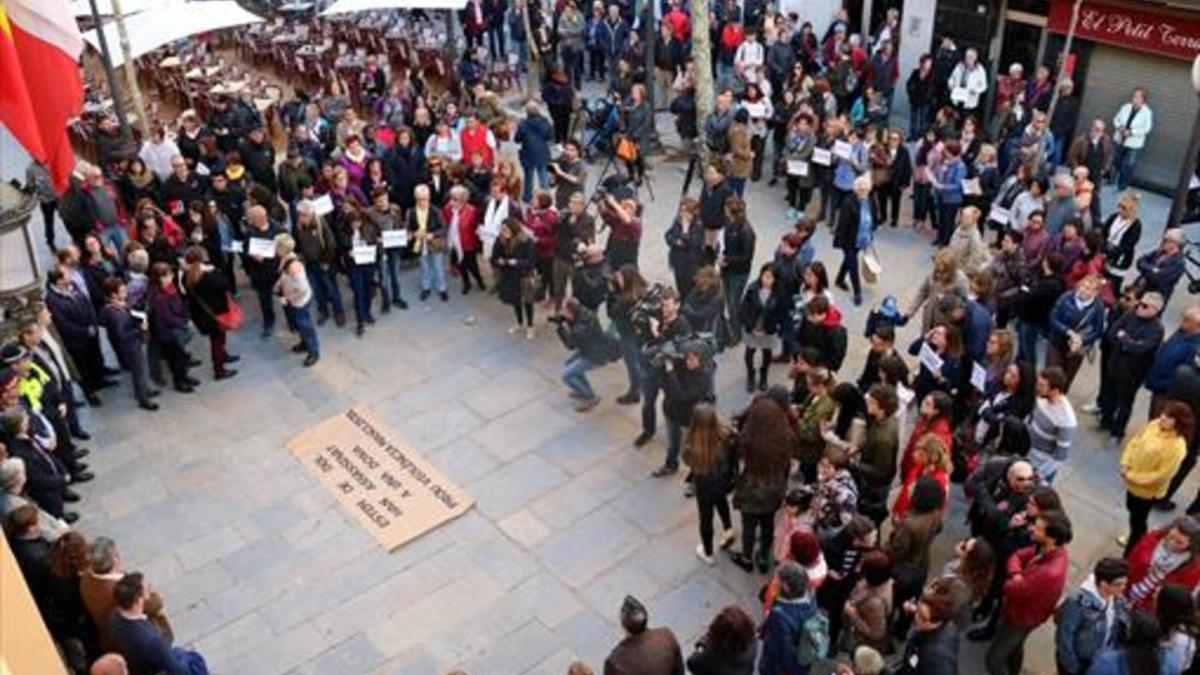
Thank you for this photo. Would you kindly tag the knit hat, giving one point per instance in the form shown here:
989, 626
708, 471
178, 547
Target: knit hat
12, 353
1176, 235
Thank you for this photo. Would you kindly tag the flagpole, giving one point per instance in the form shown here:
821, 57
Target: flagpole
118, 104
135, 89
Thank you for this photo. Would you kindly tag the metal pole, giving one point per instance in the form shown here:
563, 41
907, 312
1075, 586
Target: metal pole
135, 89
533, 75
451, 39
1062, 59
106, 59
1188, 169
994, 51
651, 45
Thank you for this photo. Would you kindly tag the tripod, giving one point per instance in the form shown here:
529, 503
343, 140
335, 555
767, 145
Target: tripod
637, 184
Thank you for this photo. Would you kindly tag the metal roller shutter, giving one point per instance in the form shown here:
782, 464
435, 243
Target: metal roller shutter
1112, 75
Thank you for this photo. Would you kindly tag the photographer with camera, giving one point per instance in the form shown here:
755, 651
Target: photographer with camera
687, 382
568, 173
580, 331
589, 283
625, 228
625, 293
575, 230
659, 323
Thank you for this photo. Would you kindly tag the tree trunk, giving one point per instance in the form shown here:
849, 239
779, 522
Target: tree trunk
702, 57
533, 78
135, 89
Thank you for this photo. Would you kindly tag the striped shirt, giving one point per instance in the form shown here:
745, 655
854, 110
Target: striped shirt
1051, 430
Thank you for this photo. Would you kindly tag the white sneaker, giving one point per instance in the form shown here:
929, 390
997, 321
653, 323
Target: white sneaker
708, 559
726, 538
513, 330
1090, 408
530, 333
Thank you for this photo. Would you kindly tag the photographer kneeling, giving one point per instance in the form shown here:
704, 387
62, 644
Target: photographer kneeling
580, 331
687, 382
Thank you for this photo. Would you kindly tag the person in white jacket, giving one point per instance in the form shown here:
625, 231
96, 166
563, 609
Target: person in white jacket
1131, 126
157, 152
968, 82
750, 53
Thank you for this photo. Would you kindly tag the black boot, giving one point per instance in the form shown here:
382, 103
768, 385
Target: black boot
762, 378
750, 381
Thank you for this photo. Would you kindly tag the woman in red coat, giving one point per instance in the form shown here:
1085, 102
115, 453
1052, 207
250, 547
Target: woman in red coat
931, 457
1165, 555
933, 418
462, 221
542, 221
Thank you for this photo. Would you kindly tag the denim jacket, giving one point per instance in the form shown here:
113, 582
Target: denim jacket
1080, 632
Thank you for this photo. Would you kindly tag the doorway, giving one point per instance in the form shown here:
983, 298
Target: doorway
1023, 41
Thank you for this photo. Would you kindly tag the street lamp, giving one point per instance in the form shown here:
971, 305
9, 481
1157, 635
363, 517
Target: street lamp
20, 278
1188, 168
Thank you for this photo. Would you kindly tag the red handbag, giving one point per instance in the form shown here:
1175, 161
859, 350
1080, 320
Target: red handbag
232, 318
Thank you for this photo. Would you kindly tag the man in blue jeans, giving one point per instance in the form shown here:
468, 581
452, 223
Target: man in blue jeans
687, 383
580, 331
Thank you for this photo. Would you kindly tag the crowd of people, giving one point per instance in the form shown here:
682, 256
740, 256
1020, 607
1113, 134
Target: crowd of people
841, 480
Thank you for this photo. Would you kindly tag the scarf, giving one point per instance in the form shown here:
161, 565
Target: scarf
1163, 561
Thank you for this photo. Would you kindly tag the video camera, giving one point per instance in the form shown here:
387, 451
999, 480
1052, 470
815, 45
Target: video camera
616, 185
674, 350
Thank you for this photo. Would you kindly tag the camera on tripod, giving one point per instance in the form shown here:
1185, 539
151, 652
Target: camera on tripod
616, 185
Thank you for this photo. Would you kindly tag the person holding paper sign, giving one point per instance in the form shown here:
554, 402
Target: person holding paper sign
847, 167
941, 356
296, 294
318, 247
360, 237
258, 263
427, 231
801, 141
387, 218
127, 335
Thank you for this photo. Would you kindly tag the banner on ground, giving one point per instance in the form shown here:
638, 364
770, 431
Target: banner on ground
389, 488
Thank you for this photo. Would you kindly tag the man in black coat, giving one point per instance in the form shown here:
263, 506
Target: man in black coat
932, 646
668, 326
687, 382
822, 330
74, 316
855, 224
45, 476
258, 154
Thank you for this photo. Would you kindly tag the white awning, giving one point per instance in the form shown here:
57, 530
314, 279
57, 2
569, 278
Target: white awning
104, 7
348, 6
168, 22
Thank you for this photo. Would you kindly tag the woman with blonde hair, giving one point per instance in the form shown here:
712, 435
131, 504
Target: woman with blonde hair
945, 279
706, 454
930, 458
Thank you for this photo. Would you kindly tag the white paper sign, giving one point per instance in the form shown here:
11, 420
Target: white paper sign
971, 187
364, 255
140, 316
235, 246
1193, 182
755, 110
822, 156
395, 238
999, 214
843, 149
930, 359
797, 167
978, 377
324, 204
262, 248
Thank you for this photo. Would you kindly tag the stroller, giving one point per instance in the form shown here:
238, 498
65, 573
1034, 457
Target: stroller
602, 120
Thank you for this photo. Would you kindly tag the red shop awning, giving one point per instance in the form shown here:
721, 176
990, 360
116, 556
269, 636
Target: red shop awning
1144, 28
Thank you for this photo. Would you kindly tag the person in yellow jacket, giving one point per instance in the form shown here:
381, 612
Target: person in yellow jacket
1148, 462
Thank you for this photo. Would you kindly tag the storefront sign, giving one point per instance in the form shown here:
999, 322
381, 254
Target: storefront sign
389, 488
1140, 29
